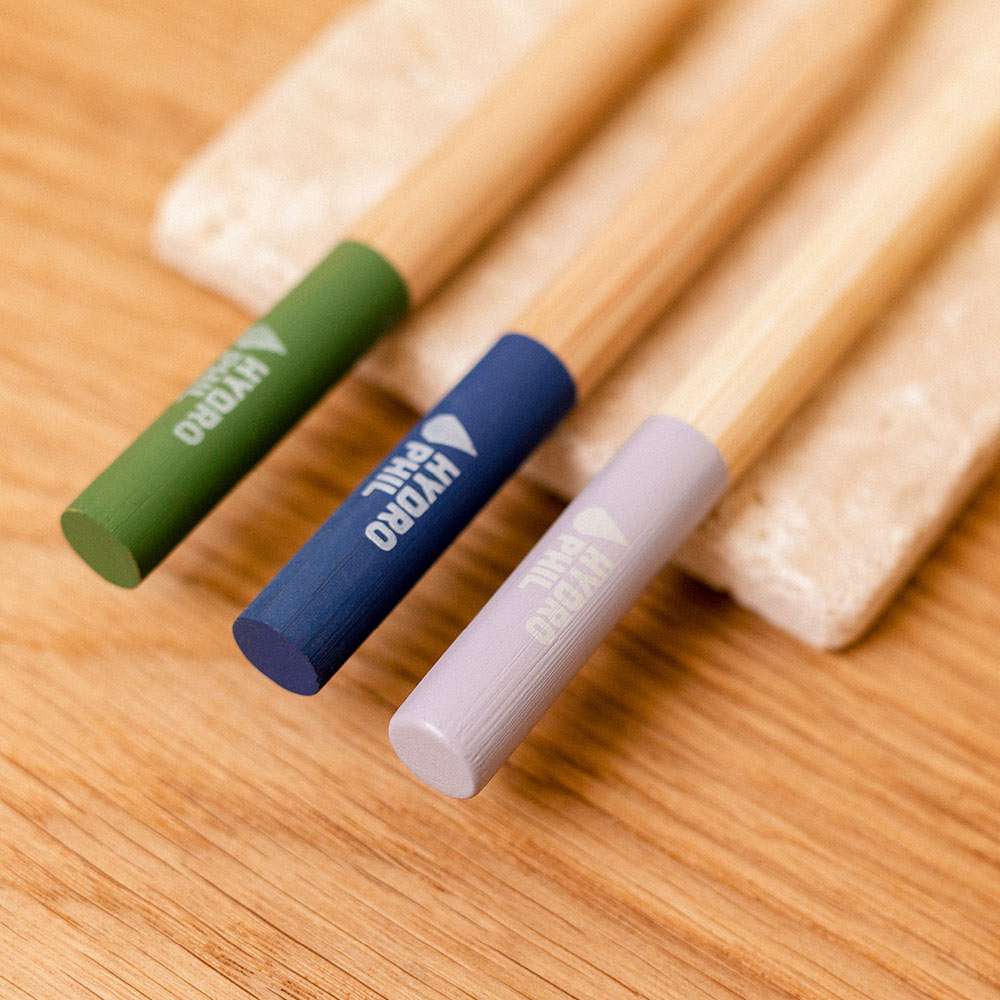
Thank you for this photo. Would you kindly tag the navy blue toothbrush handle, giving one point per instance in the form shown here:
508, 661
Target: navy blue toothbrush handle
368, 554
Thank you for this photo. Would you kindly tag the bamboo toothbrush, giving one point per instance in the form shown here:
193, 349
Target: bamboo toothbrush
484, 695
148, 499
358, 565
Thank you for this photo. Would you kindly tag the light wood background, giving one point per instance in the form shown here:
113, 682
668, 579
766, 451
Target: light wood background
710, 811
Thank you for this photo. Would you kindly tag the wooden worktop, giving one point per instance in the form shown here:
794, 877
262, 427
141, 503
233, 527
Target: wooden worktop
711, 810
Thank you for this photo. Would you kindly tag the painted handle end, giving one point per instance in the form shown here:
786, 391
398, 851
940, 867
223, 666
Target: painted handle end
100, 547
278, 654
434, 758
480, 700
361, 562
143, 504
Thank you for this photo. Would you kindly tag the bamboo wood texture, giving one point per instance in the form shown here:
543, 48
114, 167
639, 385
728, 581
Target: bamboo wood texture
516, 136
621, 281
741, 817
764, 367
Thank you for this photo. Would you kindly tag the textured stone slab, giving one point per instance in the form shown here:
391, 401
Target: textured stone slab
826, 527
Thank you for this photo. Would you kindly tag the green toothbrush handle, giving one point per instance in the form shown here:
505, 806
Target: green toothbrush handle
156, 491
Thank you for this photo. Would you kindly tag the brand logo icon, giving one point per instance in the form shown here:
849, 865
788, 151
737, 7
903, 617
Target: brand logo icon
447, 429
596, 522
414, 477
262, 337
571, 572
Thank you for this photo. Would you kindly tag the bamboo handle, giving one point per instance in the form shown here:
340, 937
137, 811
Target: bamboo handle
488, 690
458, 195
627, 274
376, 545
847, 270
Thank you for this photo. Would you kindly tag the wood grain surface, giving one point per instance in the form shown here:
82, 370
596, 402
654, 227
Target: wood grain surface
440, 212
705, 186
710, 811
848, 269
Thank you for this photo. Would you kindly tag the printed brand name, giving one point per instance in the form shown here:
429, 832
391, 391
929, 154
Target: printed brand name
571, 572
226, 384
415, 476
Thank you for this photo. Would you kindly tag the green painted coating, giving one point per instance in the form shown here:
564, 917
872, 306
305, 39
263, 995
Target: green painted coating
99, 548
156, 491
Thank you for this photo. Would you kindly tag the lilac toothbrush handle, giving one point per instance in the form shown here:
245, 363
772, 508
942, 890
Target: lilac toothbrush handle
480, 700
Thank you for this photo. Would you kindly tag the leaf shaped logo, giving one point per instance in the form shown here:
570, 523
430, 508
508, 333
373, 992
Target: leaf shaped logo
597, 523
447, 429
262, 337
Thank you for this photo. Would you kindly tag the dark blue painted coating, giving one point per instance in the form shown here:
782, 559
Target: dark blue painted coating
365, 557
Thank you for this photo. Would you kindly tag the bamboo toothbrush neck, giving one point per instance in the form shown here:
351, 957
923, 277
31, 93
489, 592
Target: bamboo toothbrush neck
455, 198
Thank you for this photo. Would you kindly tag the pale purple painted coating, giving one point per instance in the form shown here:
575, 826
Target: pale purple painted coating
498, 678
